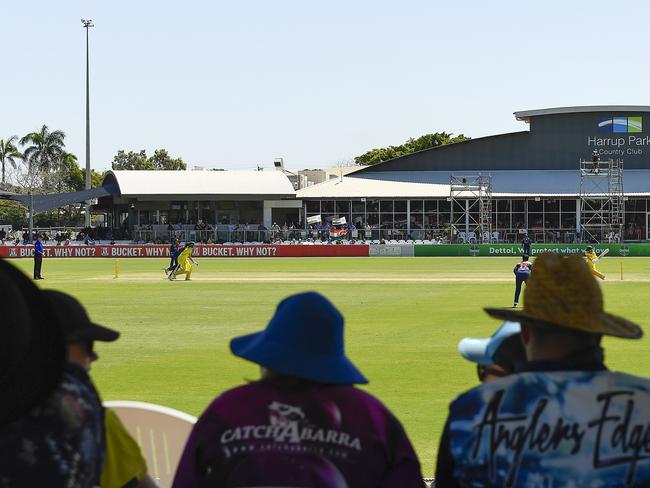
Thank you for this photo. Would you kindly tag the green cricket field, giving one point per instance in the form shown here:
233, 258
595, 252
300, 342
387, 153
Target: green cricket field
404, 318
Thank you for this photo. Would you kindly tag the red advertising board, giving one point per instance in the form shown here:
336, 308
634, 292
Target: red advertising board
207, 250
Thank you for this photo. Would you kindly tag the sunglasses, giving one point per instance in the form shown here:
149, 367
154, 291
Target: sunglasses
483, 371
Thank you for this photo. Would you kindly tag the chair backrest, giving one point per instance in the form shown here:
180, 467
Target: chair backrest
160, 432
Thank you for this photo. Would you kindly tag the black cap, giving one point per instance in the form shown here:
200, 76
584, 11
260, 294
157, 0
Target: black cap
77, 326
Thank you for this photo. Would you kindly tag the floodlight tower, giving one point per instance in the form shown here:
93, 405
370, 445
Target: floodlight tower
87, 24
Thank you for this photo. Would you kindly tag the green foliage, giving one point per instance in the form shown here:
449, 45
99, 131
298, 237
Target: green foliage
45, 149
47, 168
160, 160
131, 161
13, 213
76, 178
163, 161
96, 178
426, 141
9, 154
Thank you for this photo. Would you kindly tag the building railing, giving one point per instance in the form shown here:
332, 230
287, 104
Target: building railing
373, 234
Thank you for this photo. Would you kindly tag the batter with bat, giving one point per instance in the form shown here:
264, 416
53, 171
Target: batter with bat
185, 263
592, 259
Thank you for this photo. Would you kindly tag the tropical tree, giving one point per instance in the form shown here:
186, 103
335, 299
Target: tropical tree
8, 154
44, 149
161, 160
65, 176
426, 141
131, 161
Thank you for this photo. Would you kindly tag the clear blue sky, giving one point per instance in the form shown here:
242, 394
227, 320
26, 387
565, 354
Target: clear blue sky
233, 84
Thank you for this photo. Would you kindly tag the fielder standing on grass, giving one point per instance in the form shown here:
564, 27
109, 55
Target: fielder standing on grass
185, 263
522, 273
525, 242
38, 257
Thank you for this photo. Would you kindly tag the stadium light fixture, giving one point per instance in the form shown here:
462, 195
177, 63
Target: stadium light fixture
87, 24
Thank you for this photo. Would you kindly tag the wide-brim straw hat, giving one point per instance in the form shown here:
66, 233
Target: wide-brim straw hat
562, 291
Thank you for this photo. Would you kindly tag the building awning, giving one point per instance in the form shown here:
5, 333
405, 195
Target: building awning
525, 115
181, 185
43, 203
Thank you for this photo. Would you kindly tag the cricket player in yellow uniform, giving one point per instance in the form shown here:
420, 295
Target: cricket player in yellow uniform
592, 259
185, 263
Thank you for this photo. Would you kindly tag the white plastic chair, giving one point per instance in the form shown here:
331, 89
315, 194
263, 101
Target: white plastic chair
462, 236
471, 236
161, 433
495, 237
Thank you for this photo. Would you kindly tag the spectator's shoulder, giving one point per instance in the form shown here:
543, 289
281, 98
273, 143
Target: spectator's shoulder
249, 391
361, 399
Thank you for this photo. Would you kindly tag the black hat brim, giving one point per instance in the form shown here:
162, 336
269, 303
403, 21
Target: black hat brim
96, 332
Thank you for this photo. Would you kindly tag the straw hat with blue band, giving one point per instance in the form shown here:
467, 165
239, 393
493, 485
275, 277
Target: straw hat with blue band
562, 292
303, 339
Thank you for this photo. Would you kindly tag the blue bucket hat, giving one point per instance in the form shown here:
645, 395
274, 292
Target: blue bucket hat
303, 339
482, 351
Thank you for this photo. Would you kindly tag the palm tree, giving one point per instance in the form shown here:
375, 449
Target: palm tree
8, 154
45, 149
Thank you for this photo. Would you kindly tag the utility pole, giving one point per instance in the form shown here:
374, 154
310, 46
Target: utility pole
87, 23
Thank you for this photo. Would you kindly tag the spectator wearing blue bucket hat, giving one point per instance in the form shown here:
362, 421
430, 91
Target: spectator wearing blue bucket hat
303, 423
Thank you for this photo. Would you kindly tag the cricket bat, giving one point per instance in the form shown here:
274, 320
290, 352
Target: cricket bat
604, 253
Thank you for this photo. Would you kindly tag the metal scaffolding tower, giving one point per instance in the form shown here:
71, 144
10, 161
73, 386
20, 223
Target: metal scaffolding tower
471, 207
602, 201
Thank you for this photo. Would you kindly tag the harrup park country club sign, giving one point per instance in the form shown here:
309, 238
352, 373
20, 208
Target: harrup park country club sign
618, 137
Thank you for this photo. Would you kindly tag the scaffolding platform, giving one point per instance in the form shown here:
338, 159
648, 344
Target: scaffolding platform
471, 208
602, 201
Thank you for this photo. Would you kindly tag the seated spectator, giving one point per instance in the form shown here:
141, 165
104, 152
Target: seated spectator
124, 464
497, 356
303, 423
50, 418
566, 420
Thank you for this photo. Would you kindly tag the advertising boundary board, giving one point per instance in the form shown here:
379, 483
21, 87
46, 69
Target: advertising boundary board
384, 250
516, 250
201, 251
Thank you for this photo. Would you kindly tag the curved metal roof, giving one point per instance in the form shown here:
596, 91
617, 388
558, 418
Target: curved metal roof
435, 184
206, 183
527, 114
